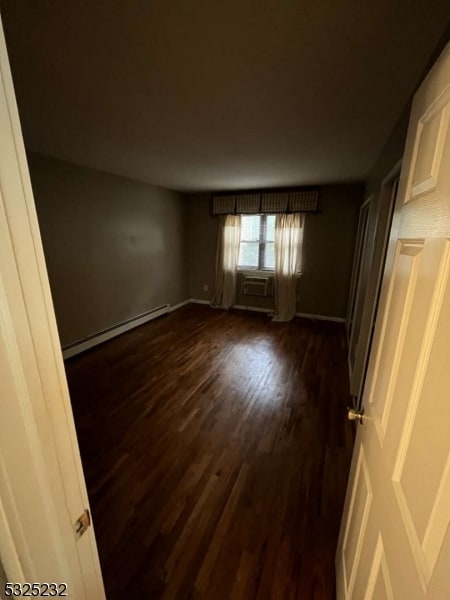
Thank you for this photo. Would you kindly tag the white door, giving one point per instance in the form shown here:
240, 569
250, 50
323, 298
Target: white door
395, 538
42, 489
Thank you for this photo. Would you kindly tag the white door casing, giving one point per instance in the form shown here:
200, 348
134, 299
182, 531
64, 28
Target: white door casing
358, 266
381, 223
395, 538
42, 489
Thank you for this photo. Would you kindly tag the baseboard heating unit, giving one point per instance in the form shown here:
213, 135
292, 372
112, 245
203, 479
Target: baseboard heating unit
106, 334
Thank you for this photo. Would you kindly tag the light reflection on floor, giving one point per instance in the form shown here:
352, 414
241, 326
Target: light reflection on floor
254, 363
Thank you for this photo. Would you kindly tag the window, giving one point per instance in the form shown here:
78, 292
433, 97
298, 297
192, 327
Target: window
256, 249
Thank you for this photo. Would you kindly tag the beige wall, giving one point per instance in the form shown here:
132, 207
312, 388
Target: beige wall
114, 248
201, 233
328, 246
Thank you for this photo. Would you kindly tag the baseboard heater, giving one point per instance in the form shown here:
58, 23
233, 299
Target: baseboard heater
106, 334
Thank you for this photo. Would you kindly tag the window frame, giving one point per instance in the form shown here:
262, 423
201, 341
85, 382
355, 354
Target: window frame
262, 242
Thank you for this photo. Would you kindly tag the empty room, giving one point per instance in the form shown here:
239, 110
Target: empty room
225, 300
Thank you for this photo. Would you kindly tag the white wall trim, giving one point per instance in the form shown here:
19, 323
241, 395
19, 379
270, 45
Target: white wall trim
179, 305
271, 310
99, 338
86, 344
81, 346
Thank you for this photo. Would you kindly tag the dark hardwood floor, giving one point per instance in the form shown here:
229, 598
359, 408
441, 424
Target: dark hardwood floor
216, 449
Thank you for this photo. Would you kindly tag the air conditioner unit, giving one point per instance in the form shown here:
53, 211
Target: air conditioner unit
255, 286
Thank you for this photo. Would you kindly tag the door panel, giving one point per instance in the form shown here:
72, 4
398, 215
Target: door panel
395, 323
379, 583
425, 507
356, 525
428, 149
395, 528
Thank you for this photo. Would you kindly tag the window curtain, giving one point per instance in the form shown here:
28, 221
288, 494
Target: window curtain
227, 261
288, 234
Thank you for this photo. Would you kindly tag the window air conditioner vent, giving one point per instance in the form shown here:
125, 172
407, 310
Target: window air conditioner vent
255, 286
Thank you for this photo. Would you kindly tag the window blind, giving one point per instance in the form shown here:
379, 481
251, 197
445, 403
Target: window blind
305, 201
248, 204
224, 205
274, 202
266, 202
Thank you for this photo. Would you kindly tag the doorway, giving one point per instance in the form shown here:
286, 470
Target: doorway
358, 282
370, 257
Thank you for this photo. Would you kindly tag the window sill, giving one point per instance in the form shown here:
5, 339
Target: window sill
261, 272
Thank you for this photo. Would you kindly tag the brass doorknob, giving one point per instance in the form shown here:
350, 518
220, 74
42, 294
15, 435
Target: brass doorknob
355, 415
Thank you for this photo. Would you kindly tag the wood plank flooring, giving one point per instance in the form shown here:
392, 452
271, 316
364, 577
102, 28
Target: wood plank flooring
216, 450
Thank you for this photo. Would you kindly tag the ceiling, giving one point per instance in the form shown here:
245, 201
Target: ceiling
218, 94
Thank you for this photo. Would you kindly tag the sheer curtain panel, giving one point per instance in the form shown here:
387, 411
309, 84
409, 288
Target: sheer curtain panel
288, 236
227, 261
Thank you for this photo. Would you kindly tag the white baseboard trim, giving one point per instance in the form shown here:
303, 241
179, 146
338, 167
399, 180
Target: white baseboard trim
305, 315
271, 310
320, 317
101, 337
179, 305
238, 306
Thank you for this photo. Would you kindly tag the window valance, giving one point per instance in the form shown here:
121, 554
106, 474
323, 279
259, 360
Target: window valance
266, 202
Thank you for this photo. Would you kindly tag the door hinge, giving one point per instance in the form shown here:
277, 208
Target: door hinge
82, 524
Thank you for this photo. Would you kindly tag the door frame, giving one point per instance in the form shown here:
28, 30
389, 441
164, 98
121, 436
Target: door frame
40, 459
360, 248
382, 230
359, 245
